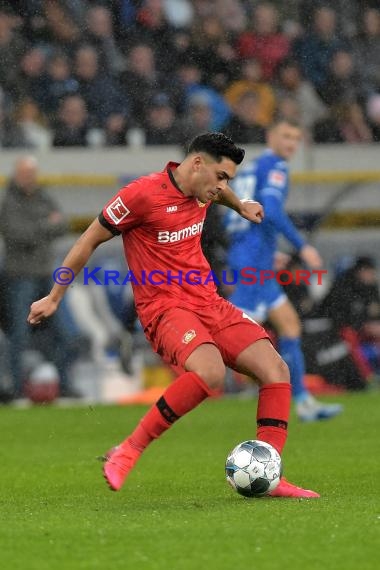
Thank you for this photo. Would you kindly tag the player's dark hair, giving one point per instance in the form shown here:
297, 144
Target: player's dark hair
279, 120
218, 146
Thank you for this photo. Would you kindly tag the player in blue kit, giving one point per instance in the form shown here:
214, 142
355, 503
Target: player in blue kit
266, 180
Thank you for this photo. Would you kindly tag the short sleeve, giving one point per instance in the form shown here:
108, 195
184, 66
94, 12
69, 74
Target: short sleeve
126, 210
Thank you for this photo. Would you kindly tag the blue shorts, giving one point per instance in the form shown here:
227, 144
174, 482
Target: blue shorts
257, 300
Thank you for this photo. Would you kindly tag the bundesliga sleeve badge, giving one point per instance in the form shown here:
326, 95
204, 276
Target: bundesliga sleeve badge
117, 211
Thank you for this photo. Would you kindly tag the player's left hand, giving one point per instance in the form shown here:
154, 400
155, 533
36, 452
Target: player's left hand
252, 211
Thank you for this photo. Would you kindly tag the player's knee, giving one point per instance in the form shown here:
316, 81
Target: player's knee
212, 373
277, 372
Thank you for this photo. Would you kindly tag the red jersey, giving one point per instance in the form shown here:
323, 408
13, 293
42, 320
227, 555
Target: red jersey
161, 230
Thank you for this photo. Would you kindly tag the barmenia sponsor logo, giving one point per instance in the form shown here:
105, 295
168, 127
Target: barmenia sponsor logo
184, 233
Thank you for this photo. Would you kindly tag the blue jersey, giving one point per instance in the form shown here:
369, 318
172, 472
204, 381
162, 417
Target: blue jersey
265, 180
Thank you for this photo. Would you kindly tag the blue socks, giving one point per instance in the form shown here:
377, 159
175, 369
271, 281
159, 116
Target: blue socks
291, 352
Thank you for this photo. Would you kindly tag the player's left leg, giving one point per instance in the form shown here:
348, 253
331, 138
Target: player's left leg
182, 339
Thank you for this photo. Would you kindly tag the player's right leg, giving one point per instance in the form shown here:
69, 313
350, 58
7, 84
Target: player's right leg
262, 362
285, 320
182, 340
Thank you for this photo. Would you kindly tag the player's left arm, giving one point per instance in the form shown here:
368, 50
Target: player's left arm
248, 209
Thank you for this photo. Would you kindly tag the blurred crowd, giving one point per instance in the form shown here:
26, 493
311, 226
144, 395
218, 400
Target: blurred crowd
133, 72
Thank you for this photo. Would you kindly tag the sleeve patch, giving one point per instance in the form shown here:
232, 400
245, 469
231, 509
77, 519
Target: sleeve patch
277, 178
117, 211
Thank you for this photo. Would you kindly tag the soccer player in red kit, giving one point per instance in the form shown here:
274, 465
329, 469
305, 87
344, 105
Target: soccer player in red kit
160, 218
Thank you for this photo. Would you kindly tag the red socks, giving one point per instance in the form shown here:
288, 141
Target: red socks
273, 414
189, 390
182, 396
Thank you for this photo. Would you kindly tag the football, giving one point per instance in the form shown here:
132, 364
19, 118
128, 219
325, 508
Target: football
253, 468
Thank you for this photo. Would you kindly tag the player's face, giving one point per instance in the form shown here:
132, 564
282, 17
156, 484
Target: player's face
211, 177
284, 140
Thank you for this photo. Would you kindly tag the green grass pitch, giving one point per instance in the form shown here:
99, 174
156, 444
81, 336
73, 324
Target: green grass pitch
176, 510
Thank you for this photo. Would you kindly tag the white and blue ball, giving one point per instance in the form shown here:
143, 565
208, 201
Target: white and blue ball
253, 468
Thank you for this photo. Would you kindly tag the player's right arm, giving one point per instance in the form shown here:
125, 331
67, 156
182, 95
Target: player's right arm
75, 260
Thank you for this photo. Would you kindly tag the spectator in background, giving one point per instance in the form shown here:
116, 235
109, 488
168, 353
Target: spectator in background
161, 125
31, 77
353, 304
343, 83
213, 52
100, 35
152, 27
12, 47
59, 83
190, 79
142, 80
232, 15
265, 42
11, 136
291, 85
251, 81
72, 126
345, 123
179, 13
366, 47
106, 105
32, 125
65, 20
244, 126
29, 223
373, 114
314, 51
197, 119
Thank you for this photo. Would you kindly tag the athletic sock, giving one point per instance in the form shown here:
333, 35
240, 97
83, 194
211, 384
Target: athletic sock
182, 396
273, 414
291, 351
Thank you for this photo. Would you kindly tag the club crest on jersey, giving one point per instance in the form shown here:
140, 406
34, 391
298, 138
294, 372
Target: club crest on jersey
277, 178
117, 211
188, 336
200, 204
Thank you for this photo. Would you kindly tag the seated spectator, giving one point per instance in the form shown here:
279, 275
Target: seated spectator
32, 124
142, 80
153, 28
104, 100
72, 125
197, 119
265, 42
289, 108
65, 20
314, 51
251, 80
373, 114
291, 84
213, 52
353, 304
11, 136
31, 76
59, 83
366, 47
100, 35
161, 125
12, 47
343, 83
189, 75
344, 123
244, 126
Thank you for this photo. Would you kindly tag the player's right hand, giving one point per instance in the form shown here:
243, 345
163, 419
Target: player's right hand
311, 256
41, 310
